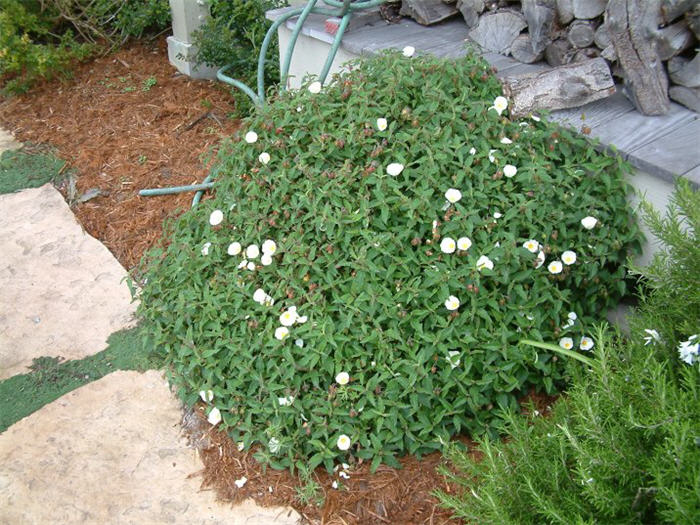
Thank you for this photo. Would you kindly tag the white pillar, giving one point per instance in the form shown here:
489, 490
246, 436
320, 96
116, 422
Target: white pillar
188, 16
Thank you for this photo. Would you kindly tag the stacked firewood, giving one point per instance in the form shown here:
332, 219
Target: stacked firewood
649, 44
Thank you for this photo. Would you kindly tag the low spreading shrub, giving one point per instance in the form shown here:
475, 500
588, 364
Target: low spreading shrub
373, 255
623, 445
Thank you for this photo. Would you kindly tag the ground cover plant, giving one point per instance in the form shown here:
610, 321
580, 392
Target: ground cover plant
623, 445
29, 167
374, 253
52, 377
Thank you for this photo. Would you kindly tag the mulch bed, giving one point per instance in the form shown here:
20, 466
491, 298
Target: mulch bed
122, 133
390, 495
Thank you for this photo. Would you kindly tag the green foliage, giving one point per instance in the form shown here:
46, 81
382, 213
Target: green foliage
623, 446
50, 378
20, 169
234, 36
358, 254
31, 49
672, 281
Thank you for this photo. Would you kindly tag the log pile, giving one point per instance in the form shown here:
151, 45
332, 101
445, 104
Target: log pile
650, 45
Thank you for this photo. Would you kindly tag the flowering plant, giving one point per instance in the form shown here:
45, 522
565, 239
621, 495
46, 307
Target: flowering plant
409, 262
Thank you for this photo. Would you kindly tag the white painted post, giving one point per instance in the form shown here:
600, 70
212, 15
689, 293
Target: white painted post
188, 16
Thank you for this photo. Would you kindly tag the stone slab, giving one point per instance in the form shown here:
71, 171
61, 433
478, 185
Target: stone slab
112, 452
61, 290
7, 141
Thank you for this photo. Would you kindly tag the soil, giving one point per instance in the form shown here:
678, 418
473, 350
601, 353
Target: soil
126, 122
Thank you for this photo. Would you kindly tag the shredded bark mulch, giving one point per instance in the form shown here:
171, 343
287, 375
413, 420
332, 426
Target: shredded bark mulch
390, 495
126, 122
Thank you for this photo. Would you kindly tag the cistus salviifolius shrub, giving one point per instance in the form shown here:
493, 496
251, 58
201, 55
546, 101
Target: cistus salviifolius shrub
374, 252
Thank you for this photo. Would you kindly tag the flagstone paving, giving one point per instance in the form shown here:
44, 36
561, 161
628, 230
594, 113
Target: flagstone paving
61, 291
112, 452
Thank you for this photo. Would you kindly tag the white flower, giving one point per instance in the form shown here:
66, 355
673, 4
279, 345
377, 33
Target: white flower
472, 151
285, 401
243, 264
344, 442
500, 104
464, 243
531, 246
299, 343
408, 51
452, 303
497, 215
453, 358
689, 351
509, 170
205, 248
274, 445
343, 378
288, 317
269, 246
315, 87
269, 301
250, 266
484, 262
234, 248
540, 259
299, 109
301, 319
282, 333
506, 140
240, 446
251, 137
214, 416
572, 316
334, 484
206, 395
453, 195
264, 157
652, 338
566, 343
252, 251
259, 296
555, 267
492, 158
586, 343
343, 474
448, 245
382, 124
568, 257
240, 482
589, 222
266, 259
535, 118
394, 169
216, 217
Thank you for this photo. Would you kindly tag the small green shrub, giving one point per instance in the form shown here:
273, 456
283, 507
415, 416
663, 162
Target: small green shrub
234, 36
359, 254
31, 48
41, 40
623, 446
